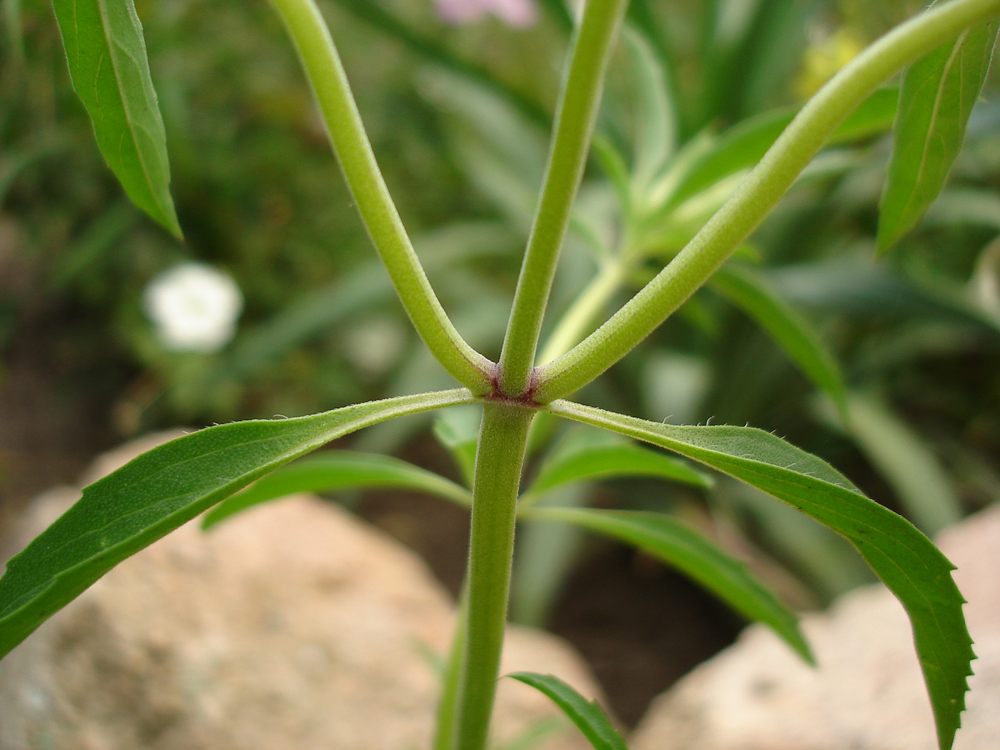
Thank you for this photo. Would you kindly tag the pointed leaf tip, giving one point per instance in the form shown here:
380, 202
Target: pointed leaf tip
936, 98
589, 718
106, 54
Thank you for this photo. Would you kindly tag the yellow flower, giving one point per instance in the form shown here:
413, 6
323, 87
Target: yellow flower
821, 61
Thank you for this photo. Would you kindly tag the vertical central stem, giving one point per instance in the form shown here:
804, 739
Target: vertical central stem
499, 459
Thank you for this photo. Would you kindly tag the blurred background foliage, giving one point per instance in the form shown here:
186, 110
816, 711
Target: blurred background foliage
458, 116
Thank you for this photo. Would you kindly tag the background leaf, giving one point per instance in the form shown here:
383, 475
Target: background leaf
162, 489
683, 548
458, 431
590, 454
743, 145
338, 470
906, 561
655, 127
906, 462
545, 557
106, 53
790, 331
936, 98
587, 715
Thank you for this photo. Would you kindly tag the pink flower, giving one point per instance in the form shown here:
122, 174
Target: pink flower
517, 13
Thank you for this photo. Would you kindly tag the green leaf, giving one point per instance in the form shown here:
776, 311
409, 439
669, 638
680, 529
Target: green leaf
15, 32
355, 292
793, 333
655, 127
587, 715
906, 461
339, 470
110, 73
458, 431
545, 557
906, 561
441, 54
689, 552
162, 489
614, 167
532, 736
586, 455
936, 98
559, 13
743, 145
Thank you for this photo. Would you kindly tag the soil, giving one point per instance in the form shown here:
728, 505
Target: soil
53, 419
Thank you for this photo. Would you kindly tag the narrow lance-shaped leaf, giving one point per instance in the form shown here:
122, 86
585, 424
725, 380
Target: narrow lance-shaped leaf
458, 431
162, 489
587, 455
906, 561
790, 331
546, 554
686, 550
107, 60
906, 461
587, 715
615, 169
338, 470
655, 130
745, 144
936, 98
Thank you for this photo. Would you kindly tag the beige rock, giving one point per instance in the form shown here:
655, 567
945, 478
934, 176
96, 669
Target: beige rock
867, 694
293, 625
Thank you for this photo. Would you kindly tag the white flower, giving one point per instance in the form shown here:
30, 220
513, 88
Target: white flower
374, 345
194, 307
517, 13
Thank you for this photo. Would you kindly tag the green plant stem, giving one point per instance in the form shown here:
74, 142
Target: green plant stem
762, 189
347, 134
590, 53
500, 456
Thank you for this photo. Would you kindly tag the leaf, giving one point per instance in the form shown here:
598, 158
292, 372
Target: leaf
532, 736
906, 561
790, 331
936, 98
684, 549
906, 461
441, 54
355, 292
559, 13
588, 455
743, 145
587, 715
615, 169
545, 557
339, 470
458, 431
162, 489
110, 73
15, 32
655, 127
